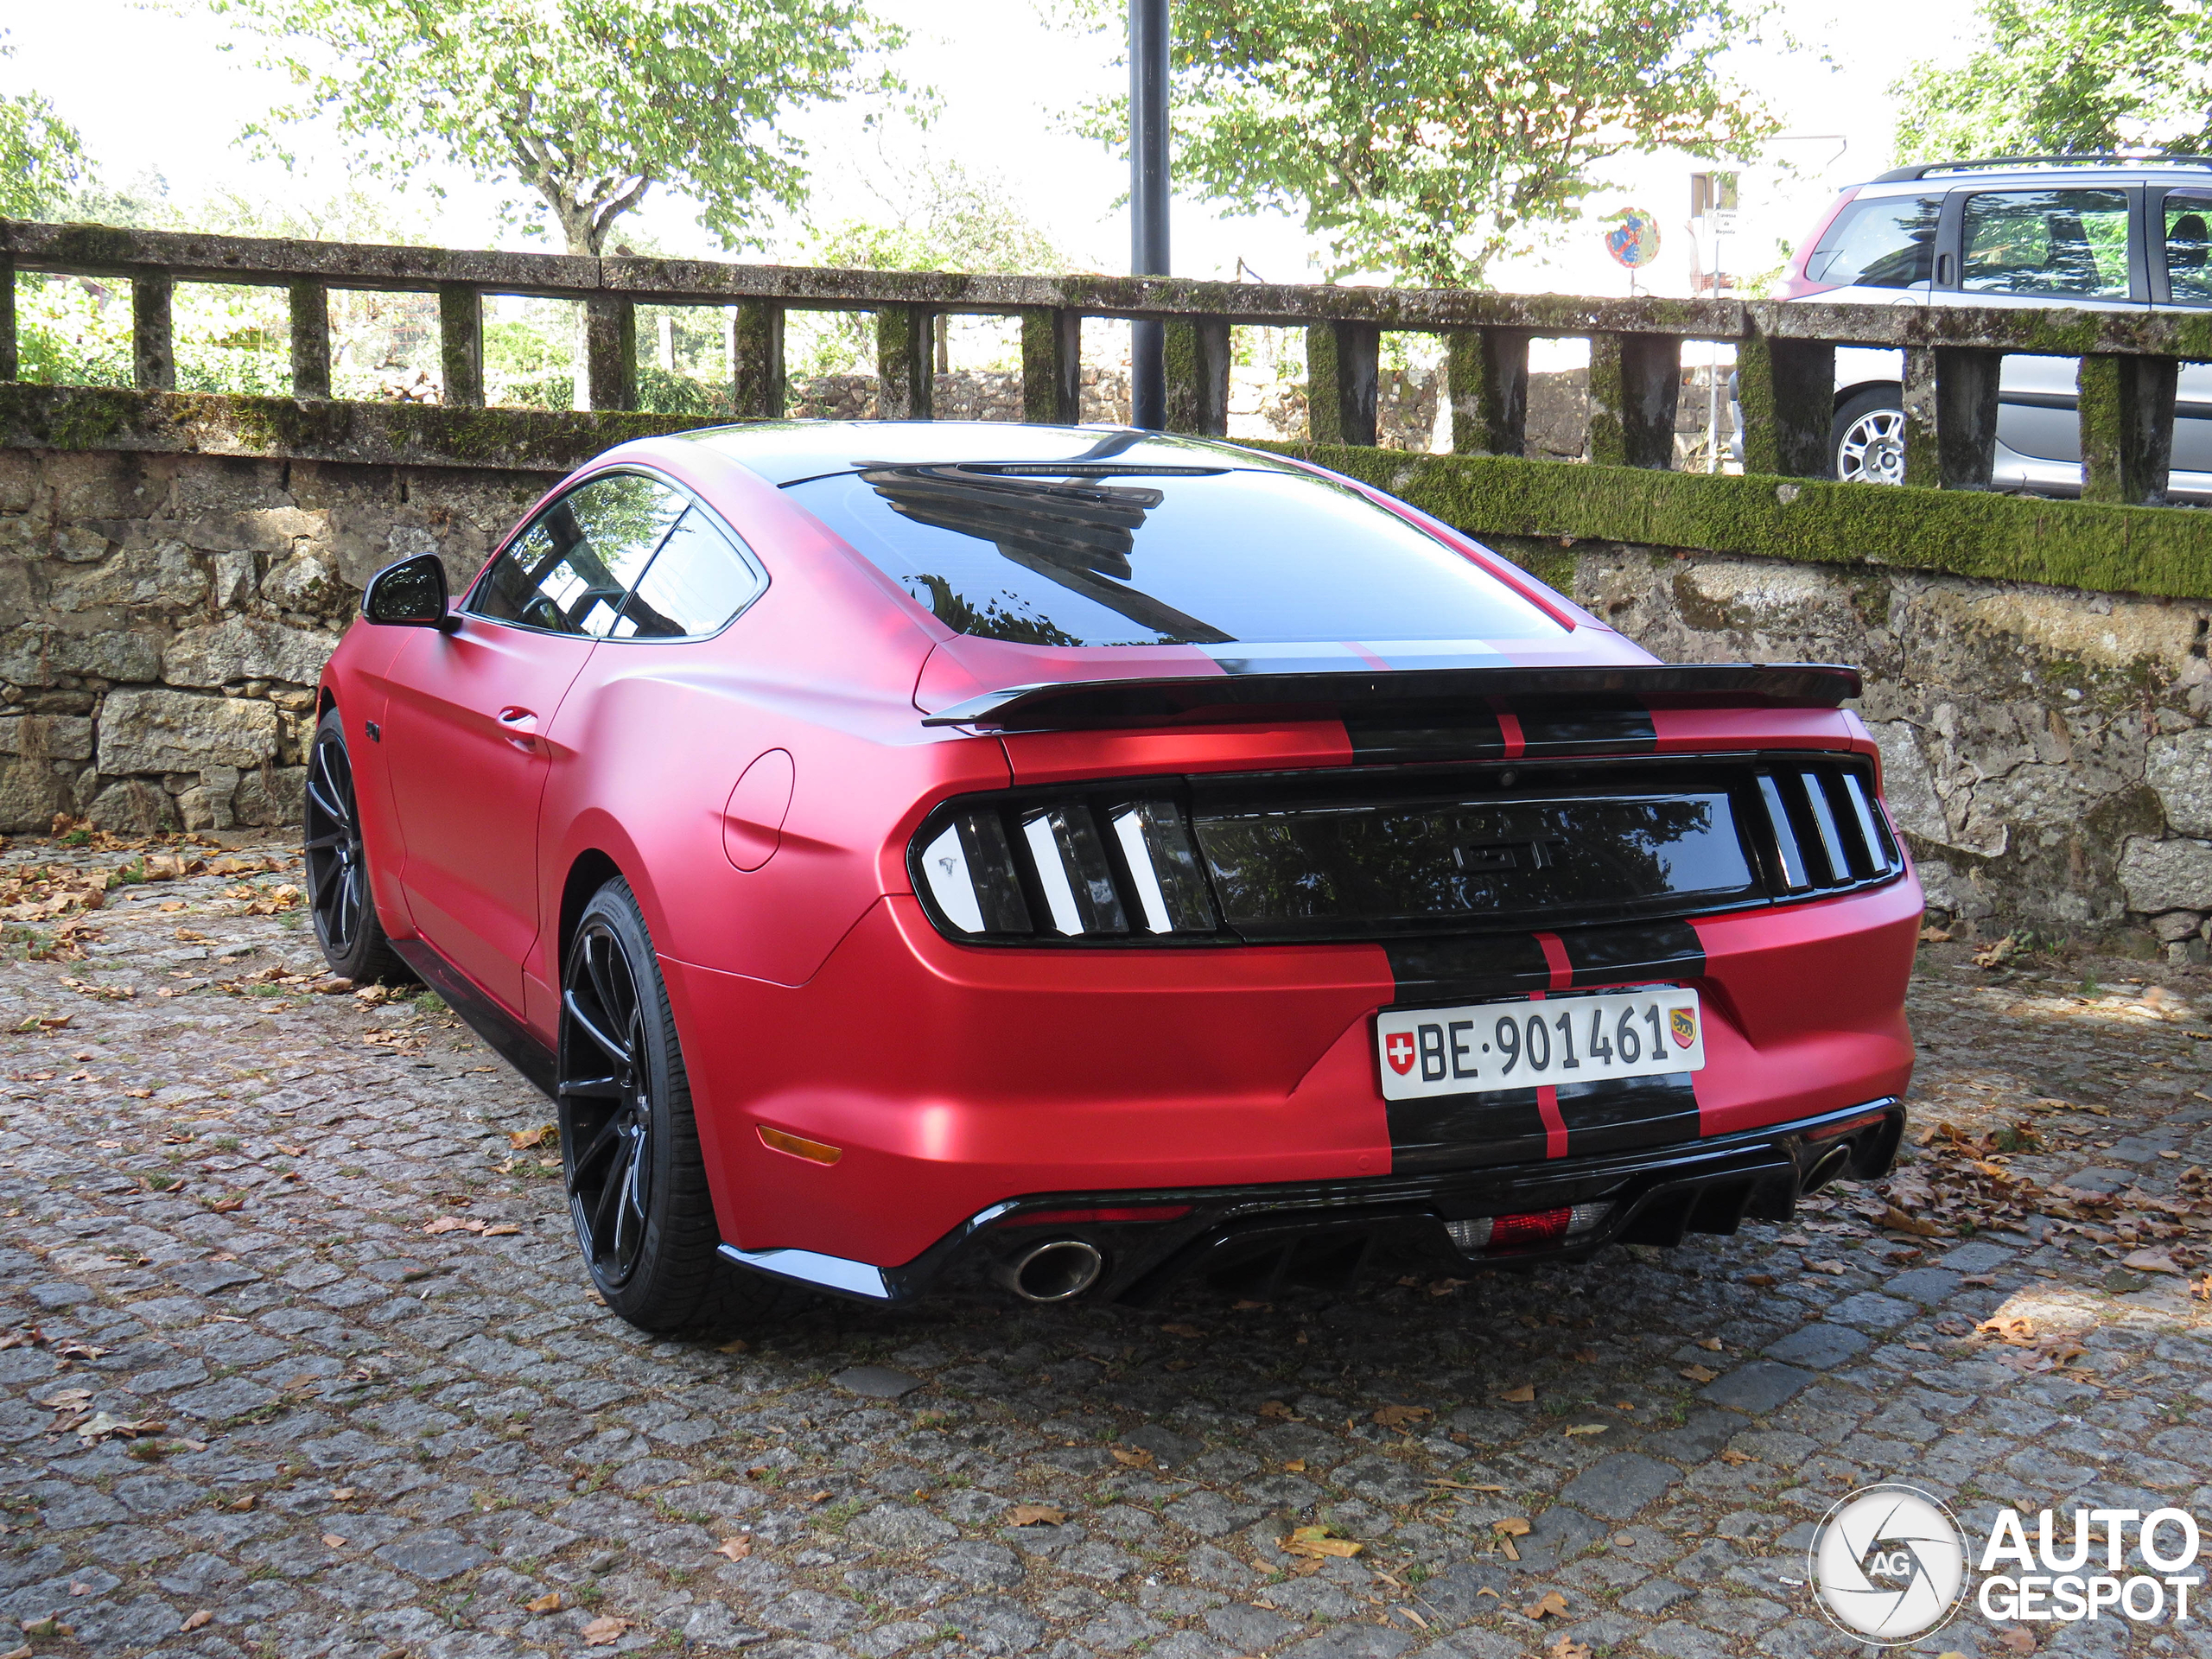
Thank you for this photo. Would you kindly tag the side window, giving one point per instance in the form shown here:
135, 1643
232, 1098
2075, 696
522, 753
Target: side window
568, 571
695, 584
2070, 244
1885, 242
2188, 249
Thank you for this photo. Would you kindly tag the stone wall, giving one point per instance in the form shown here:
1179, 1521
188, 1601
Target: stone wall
2048, 754
163, 618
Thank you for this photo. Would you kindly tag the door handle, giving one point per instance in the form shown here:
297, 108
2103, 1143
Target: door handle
521, 728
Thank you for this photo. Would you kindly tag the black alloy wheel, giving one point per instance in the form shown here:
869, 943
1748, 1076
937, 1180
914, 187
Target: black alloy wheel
636, 1184
338, 894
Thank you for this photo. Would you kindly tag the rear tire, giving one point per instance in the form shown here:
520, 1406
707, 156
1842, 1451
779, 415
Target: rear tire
636, 1183
339, 897
1867, 442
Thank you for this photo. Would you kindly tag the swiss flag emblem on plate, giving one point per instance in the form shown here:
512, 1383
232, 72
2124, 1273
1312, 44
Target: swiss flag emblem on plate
1398, 1049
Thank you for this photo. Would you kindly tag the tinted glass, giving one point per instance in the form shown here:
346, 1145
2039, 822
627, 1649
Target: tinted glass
1883, 244
2072, 244
2188, 249
1132, 559
1354, 868
696, 582
568, 571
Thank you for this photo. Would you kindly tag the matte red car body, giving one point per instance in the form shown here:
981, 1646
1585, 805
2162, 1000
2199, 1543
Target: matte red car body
759, 791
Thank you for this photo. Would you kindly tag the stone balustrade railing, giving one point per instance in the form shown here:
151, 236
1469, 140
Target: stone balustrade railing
1785, 352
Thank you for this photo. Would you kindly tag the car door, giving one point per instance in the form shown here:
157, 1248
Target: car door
2039, 247
469, 730
2181, 276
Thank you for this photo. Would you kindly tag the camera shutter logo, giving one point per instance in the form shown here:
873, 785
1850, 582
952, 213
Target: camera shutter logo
1888, 1565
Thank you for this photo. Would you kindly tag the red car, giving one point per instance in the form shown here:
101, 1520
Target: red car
913, 855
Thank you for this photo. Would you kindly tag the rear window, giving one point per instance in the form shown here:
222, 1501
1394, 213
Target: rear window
1888, 242
1151, 557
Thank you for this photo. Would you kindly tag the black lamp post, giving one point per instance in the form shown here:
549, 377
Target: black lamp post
1148, 201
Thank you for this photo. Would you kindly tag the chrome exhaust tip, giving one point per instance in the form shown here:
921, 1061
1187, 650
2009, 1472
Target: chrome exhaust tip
1058, 1270
1830, 1166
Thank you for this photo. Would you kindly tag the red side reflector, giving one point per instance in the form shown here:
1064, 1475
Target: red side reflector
1077, 1218
1538, 1227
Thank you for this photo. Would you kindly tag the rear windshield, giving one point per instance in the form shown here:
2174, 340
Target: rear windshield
1150, 557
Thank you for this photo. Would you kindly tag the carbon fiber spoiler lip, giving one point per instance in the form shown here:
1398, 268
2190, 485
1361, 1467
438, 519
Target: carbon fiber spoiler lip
1077, 705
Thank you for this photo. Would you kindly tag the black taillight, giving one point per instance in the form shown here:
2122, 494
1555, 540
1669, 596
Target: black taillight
1072, 868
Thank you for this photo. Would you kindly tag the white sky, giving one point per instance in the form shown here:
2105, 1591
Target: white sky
152, 91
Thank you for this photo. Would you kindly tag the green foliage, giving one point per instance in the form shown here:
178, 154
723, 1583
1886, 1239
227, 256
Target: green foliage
589, 103
2056, 76
42, 159
1423, 139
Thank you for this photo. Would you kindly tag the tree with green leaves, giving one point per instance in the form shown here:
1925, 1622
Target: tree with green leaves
589, 103
2054, 77
1424, 139
42, 159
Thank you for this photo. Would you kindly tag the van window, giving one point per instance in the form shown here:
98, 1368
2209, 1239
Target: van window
1889, 242
2188, 249
2069, 243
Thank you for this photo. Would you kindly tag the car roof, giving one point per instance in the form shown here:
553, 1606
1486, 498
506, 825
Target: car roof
789, 452
2042, 169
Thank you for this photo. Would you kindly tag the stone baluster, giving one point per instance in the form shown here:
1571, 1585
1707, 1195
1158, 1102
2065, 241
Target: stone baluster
1052, 366
153, 344
1343, 364
310, 308
9, 366
756, 356
2125, 407
1486, 372
1198, 376
906, 366
1951, 417
1636, 381
611, 351
1787, 390
460, 345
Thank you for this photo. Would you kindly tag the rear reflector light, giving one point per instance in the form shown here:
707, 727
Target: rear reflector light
1830, 1131
1078, 1218
1495, 1235
1070, 869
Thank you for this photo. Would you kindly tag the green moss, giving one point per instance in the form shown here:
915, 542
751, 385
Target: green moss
2155, 551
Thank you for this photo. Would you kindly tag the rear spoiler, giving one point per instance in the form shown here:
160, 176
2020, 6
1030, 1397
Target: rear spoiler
1078, 704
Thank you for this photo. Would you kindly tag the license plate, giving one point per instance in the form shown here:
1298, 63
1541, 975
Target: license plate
1487, 1047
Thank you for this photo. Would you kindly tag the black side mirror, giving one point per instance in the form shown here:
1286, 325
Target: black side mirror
411, 594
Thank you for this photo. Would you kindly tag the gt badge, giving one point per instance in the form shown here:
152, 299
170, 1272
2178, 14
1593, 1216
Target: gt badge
1681, 1023
1398, 1049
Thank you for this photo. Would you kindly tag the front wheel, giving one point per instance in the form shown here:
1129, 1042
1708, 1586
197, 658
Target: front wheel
1866, 443
338, 894
637, 1184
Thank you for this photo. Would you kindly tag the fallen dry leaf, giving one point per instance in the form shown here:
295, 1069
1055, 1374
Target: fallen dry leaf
332, 1541
736, 1548
1402, 1416
1276, 1408
1182, 1331
536, 1137
1567, 1648
503, 1230
1586, 1428
101, 1427
1139, 1458
67, 1399
1710, 1344
548, 1603
2018, 1640
1829, 1266
1554, 1605
1521, 1395
194, 1622
453, 1225
1729, 1454
605, 1630
1897, 1220
1585, 1355
1762, 1280
1698, 1373
2150, 1261
1315, 1541
1037, 1515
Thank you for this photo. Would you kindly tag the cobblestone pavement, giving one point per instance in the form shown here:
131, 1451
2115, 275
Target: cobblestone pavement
298, 1359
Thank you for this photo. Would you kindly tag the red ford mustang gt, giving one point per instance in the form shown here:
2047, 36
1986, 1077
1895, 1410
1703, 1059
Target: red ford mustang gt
914, 855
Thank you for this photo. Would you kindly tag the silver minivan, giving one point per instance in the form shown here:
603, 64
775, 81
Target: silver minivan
2089, 233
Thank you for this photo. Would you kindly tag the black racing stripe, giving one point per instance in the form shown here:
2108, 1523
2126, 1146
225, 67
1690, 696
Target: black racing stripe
1464, 1131
1467, 969
1624, 1113
1625, 728
1615, 956
1420, 732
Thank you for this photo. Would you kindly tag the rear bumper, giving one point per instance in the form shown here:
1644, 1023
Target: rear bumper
1320, 1232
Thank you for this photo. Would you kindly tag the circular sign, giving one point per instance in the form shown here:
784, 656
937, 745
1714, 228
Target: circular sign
1888, 1565
1634, 241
